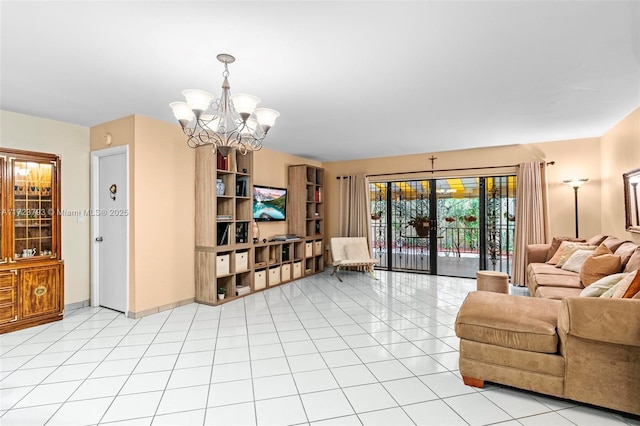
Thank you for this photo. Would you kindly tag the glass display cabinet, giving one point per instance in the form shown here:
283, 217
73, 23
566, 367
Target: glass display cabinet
31, 269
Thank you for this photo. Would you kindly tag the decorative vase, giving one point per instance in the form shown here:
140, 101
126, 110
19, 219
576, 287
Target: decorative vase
255, 231
219, 187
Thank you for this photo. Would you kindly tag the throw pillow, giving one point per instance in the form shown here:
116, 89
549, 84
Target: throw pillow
356, 252
609, 293
633, 263
569, 251
562, 249
576, 260
603, 284
625, 251
628, 288
596, 240
600, 264
625, 282
555, 245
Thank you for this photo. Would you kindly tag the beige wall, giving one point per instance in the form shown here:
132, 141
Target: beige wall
271, 168
122, 133
162, 206
620, 154
573, 159
71, 142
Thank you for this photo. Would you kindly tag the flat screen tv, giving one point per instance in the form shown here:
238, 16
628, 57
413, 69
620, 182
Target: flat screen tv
269, 204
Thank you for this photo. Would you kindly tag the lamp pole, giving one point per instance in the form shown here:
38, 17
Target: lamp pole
575, 184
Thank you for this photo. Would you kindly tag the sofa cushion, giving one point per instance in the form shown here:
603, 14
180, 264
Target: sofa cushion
555, 244
597, 288
557, 293
633, 264
572, 281
613, 243
625, 251
600, 264
544, 268
517, 322
596, 240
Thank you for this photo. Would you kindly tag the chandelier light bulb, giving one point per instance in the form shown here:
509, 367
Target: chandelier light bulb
245, 105
198, 100
251, 127
266, 117
182, 111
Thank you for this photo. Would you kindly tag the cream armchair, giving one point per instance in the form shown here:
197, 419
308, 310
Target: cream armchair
350, 252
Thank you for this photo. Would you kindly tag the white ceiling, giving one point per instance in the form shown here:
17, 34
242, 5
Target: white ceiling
351, 79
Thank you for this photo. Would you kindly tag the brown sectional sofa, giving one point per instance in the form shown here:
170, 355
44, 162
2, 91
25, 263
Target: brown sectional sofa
585, 349
582, 348
547, 281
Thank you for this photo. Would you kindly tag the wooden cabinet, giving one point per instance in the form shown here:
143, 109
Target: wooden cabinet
306, 213
31, 269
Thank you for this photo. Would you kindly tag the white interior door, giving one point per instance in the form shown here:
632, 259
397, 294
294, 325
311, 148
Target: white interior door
111, 240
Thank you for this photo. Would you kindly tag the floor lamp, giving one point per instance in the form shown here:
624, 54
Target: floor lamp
575, 184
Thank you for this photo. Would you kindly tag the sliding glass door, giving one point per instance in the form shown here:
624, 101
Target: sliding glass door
452, 226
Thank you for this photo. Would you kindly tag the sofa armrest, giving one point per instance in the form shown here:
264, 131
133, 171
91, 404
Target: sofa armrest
537, 253
606, 320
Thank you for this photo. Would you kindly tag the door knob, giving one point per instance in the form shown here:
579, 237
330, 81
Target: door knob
99, 239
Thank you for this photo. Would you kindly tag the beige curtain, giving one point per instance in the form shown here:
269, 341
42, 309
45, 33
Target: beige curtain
354, 206
530, 216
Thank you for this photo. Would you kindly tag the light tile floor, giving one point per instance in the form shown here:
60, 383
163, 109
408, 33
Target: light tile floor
315, 351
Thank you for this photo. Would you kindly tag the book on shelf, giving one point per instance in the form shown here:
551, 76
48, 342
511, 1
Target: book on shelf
224, 217
222, 162
241, 187
223, 234
242, 232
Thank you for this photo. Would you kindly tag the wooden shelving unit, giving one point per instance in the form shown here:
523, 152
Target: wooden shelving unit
225, 255
306, 213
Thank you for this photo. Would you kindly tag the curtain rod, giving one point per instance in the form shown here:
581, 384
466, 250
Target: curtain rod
550, 163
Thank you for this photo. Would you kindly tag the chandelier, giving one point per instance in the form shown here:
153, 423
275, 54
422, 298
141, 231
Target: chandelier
228, 123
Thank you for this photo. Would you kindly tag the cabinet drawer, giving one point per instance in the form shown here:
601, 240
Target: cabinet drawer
8, 313
222, 265
242, 261
260, 280
274, 276
308, 250
286, 272
297, 270
7, 280
317, 248
7, 296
